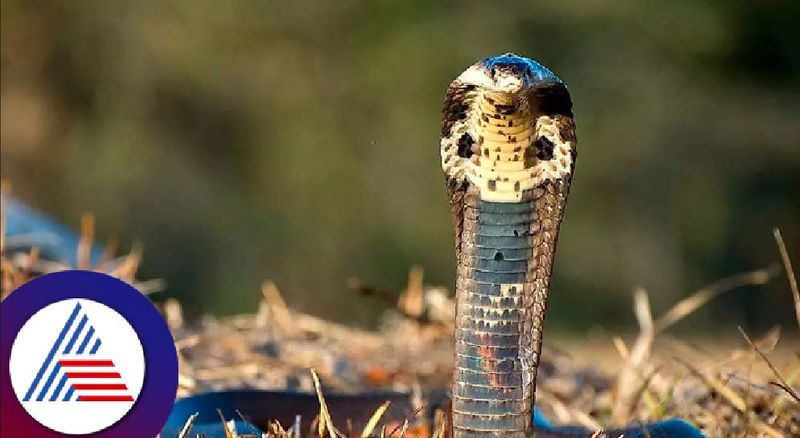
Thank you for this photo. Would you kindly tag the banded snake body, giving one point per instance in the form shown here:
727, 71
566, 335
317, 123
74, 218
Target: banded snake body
508, 151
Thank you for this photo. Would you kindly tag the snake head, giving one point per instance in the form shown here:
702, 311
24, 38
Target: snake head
507, 128
508, 73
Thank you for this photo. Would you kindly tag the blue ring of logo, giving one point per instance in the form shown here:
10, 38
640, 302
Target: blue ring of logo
155, 401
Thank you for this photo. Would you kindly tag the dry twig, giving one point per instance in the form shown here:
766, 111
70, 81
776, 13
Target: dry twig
787, 264
325, 421
695, 301
369, 428
783, 384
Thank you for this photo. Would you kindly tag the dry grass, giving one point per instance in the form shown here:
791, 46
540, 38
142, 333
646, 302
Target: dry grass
725, 388
731, 390
16, 269
787, 264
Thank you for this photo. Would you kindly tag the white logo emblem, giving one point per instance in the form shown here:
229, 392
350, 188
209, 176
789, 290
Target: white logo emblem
77, 366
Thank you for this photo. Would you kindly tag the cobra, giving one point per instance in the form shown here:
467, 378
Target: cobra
508, 151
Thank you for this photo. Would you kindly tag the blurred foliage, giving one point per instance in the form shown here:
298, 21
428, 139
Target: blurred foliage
298, 141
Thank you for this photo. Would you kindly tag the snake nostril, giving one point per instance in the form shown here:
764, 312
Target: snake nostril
498, 256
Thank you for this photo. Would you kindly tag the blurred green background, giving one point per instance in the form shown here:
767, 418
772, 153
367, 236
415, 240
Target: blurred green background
298, 142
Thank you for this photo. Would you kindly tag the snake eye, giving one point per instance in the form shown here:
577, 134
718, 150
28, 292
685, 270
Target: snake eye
544, 148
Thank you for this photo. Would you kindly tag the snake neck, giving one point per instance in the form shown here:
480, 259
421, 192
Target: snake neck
504, 128
502, 285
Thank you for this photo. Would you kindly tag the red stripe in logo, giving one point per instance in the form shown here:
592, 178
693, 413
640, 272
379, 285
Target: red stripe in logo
105, 398
82, 375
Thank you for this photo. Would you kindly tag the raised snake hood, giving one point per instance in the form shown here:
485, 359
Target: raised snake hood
507, 127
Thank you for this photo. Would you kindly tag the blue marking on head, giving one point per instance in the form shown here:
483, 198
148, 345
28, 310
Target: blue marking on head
530, 70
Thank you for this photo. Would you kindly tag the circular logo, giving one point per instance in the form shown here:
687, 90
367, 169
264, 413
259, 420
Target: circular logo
92, 366
86, 355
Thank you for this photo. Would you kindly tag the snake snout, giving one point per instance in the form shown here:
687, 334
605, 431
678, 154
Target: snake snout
507, 80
